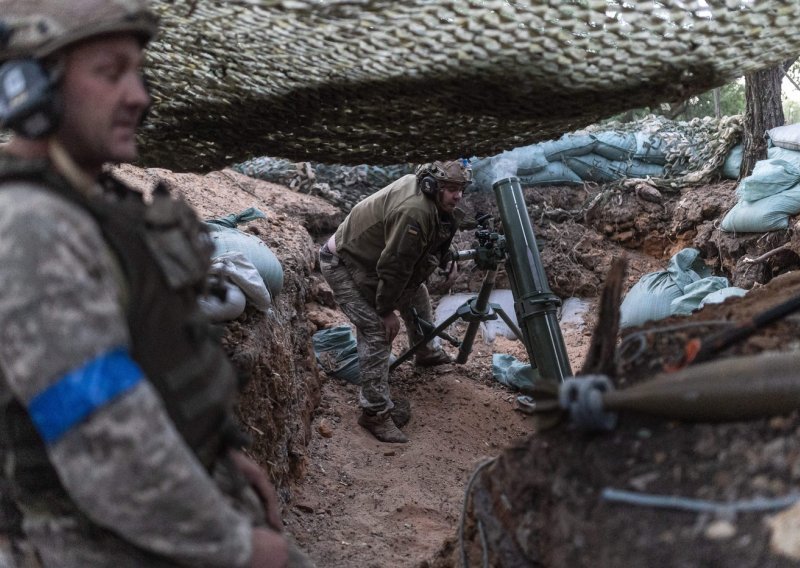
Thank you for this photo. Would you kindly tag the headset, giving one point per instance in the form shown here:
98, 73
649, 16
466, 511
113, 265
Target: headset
427, 184
29, 101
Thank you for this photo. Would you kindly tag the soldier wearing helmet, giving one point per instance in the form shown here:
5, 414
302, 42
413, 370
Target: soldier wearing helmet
117, 437
377, 262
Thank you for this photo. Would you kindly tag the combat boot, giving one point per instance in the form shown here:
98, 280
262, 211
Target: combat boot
432, 358
401, 413
382, 427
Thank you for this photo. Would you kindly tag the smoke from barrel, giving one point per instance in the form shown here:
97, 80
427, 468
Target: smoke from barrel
534, 303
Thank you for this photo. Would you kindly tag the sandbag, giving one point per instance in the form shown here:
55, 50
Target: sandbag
778, 153
507, 370
769, 177
228, 240
768, 214
650, 148
234, 219
556, 173
651, 297
592, 167
615, 146
518, 162
723, 294
219, 309
234, 267
529, 159
568, 145
787, 136
695, 292
336, 353
733, 162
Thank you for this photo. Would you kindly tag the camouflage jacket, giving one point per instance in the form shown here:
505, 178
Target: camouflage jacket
393, 240
136, 492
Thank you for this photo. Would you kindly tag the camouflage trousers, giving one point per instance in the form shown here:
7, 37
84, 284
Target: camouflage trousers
374, 350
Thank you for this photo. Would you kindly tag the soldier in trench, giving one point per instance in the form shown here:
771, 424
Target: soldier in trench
117, 437
377, 263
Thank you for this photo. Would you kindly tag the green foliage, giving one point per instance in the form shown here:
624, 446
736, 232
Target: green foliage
790, 94
732, 101
791, 111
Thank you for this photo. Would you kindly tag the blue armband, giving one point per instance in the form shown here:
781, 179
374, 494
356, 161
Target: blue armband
80, 392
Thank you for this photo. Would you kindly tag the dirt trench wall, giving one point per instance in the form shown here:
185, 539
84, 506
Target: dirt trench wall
540, 503
579, 230
273, 350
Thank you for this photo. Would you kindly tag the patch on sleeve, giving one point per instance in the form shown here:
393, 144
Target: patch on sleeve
412, 230
81, 391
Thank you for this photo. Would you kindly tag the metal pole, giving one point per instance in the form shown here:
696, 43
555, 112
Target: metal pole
534, 303
479, 307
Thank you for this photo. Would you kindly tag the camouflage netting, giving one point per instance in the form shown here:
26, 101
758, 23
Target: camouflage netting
692, 153
380, 82
343, 186
694, 150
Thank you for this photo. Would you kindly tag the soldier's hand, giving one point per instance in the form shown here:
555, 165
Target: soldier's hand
392, 325
258, 480
270, 549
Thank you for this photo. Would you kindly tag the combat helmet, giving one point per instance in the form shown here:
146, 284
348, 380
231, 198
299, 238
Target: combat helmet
38, 28
31, 31
430, 176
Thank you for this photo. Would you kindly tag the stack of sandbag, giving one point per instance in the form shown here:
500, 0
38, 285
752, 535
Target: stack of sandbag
684, 286
575, 158
771, 194
784, 144
244, 269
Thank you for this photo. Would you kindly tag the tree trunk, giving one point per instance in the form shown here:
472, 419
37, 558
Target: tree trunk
764, 111
674, 112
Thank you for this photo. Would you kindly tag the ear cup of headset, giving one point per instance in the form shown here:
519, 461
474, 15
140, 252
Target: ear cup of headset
428, 185
29, 103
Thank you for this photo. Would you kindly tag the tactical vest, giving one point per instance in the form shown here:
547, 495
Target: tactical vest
164, 253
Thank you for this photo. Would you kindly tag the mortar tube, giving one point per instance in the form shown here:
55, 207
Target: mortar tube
534, 303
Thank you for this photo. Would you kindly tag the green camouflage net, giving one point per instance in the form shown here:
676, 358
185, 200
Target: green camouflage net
691, 152
694, 151
382, 82
343, 186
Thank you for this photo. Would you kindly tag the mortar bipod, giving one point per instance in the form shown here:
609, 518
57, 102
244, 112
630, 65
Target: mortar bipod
473, 311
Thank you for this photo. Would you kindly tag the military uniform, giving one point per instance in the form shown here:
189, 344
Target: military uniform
386, 248
115, 396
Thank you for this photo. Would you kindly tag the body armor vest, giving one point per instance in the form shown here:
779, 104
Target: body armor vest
164, 253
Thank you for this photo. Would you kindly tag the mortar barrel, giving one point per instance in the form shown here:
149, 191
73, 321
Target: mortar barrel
534, 303
738, 388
